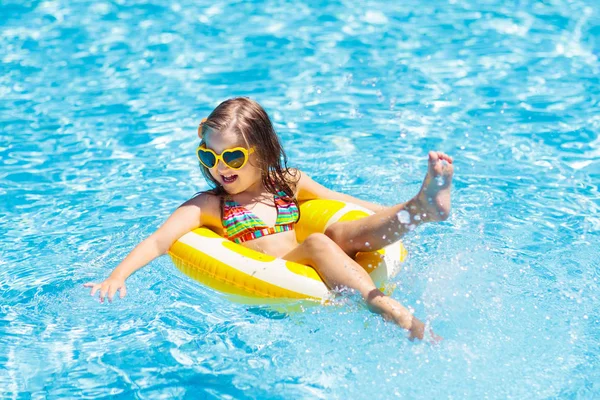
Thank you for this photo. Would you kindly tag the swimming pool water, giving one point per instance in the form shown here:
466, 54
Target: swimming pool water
100, 101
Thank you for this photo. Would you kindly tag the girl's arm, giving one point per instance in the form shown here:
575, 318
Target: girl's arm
307, 189
186, 218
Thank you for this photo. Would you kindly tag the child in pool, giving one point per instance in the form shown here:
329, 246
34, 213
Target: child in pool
241, 155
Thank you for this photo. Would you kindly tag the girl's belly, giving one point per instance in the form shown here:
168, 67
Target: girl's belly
276, 245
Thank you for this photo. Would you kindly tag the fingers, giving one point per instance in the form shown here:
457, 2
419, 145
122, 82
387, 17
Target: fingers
113, 290
94, 286
107, 290
436, 339
103, 291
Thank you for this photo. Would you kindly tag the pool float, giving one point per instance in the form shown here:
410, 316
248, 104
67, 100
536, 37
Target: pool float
252, 277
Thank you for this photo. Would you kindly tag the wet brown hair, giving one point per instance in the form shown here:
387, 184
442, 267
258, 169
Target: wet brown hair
247, 119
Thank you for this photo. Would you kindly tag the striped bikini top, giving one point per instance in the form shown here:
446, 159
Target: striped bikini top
241, 224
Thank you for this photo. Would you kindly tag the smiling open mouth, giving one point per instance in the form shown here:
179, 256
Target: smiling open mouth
229, 179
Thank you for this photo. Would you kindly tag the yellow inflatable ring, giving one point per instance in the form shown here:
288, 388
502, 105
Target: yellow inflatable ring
253, 277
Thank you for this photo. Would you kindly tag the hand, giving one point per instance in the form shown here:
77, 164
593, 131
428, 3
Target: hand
433, 338
417, 331
110, 287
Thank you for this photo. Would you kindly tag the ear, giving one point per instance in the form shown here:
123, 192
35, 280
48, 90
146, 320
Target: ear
200, 127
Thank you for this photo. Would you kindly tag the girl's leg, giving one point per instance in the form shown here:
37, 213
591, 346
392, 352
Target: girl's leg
336, 268
432, 203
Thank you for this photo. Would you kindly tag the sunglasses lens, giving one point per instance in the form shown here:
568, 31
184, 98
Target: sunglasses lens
207, 158
234, 159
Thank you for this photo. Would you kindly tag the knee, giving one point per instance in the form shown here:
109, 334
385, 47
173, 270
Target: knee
338, 232
335, 232
319, 243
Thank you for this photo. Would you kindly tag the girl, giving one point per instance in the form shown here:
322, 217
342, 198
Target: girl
255, 202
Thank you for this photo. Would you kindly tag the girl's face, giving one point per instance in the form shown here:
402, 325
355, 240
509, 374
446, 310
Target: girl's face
234, 181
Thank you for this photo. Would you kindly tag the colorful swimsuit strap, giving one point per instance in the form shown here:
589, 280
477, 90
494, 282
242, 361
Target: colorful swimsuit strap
241, 224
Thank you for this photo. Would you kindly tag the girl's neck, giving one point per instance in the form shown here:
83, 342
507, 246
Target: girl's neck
255, 192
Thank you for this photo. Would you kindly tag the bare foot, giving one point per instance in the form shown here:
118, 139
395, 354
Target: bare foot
433, 199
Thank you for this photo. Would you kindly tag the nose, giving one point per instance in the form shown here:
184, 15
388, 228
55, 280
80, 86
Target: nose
221, 167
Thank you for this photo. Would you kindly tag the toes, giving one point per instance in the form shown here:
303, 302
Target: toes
440, 164
445, 169
445, 157
433, 157
434, 164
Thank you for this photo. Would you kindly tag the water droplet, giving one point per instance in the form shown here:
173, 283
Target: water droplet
403, 217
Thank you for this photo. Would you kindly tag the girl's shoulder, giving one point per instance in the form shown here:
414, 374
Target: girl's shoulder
209, 203
207, 198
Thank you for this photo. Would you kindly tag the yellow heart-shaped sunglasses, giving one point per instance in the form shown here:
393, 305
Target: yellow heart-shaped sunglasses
234, 158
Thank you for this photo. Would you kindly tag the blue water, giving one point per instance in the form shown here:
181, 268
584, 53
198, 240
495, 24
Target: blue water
99, 105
